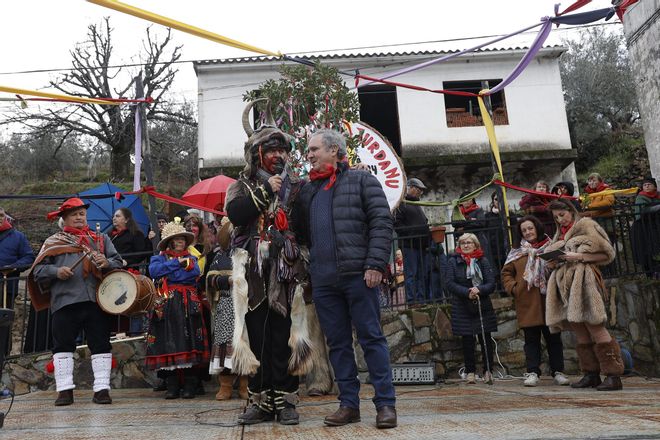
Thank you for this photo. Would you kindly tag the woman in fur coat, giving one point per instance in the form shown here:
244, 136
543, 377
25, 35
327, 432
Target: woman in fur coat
575, 295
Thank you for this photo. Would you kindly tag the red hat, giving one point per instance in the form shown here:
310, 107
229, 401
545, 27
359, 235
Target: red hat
68, 205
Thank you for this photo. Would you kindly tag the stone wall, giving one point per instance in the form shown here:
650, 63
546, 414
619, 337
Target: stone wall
641, 25
418, 335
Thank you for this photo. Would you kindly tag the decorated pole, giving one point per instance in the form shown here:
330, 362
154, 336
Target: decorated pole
141, 121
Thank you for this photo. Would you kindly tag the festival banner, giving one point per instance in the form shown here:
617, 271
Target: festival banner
378, 155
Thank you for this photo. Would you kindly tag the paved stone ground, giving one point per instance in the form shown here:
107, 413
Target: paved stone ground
454, 410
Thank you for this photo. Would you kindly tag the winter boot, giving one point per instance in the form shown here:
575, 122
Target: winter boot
242, 387
259, 409
63, 364
190, 381
226, 383
102, 367
589, 366
611, 365
172, 384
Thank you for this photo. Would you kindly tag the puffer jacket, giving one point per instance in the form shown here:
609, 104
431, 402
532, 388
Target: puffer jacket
361, 219
465, 319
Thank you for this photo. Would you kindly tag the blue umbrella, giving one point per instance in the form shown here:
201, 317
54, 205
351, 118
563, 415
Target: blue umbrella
102, 210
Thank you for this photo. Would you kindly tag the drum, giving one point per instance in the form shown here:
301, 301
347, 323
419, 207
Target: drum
124, 293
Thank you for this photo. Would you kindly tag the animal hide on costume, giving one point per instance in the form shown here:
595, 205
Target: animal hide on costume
575, 290
320, 377
244, 362
300, 361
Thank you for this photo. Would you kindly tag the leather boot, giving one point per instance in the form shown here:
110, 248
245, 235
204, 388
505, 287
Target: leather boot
611, 365
172, 384
242, 387
189, 386
343, 416
63, 364
226, 383
589, 365
386, 417
102, 397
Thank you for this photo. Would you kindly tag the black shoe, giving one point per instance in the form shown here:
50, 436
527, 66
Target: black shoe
160, 385
102, 397
288, 416
172, 384
64, 398
254, 415
589, 380
189, 387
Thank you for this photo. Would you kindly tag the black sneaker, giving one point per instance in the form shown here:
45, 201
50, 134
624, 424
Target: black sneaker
254, 415
288, 416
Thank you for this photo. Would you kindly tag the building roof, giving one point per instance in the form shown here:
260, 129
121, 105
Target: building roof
366, 55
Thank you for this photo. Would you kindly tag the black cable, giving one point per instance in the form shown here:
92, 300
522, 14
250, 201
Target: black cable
448, 40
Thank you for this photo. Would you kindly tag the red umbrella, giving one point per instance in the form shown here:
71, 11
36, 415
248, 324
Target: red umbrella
209, 192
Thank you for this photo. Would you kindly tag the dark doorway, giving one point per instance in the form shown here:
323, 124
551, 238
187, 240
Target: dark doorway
379, 108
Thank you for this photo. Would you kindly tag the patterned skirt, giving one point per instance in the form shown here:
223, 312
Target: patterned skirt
177, 336
223, 332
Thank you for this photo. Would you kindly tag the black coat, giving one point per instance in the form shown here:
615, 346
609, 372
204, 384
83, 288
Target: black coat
464, 316
127, 243
362, 221
410, 221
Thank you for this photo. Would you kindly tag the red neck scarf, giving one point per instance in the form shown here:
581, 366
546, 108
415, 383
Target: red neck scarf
466, 211
602, 186
115, 232
564, 230
5, 226
328, 172
538, 244
477, 253
84, 235
176, 254
650, 195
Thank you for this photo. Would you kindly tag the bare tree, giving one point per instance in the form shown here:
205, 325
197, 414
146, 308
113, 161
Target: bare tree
93, 75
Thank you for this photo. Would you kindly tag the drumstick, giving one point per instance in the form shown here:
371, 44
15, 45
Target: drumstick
79, 261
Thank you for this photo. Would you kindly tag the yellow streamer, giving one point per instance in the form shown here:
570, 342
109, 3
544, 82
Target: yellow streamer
165, 21
57, 96
490, 130
608, 192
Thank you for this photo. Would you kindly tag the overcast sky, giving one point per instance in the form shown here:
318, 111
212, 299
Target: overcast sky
38, 34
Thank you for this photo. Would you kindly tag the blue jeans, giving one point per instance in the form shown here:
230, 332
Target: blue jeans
351, 302
416, 271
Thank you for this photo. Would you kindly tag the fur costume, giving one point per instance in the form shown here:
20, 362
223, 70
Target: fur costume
575, 290
320, 377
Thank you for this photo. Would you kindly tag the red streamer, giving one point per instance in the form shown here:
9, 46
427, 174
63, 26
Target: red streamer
423, 89
531, 191
577, 5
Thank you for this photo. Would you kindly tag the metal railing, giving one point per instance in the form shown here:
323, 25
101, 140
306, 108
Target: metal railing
633, 230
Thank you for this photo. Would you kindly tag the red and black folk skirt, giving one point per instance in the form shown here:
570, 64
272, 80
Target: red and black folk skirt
177, 336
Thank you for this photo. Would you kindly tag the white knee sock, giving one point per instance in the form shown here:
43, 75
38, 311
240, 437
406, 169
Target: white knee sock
63, 364
101, 365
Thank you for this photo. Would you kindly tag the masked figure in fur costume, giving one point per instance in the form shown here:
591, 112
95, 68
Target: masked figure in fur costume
269, 272
65, 277
575, 295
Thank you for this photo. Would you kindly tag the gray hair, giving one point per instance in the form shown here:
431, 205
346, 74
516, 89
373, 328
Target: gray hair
332, 138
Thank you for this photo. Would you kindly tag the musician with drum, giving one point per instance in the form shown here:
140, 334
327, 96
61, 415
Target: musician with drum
177, 337
65, 277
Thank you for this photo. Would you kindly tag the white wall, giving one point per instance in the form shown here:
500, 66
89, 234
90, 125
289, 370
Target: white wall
537, 117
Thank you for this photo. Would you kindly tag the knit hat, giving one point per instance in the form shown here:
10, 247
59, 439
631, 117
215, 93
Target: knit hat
172, 230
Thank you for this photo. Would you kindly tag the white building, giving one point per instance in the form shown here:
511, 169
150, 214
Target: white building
439, 137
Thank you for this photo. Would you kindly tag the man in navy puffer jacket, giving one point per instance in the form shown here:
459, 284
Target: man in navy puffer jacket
348, 226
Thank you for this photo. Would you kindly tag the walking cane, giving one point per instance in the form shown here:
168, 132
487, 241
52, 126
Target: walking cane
483, 338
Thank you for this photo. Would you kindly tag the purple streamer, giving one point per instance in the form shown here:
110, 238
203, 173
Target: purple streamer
529, 56
584, 17
138, 151
450, 56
